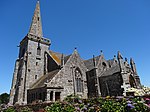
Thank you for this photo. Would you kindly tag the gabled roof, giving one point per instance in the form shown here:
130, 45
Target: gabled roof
111, 71
58, 57
66, 58
110, 62
89, 63
45, 78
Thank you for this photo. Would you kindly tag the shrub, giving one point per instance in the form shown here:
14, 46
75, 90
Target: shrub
10, 109
56, 107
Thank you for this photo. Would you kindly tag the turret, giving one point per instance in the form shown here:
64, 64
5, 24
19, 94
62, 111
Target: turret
121, 62
31, 62
133, 66
135, 75
96, 77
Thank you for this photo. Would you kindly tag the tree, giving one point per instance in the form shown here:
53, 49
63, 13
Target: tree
4, 98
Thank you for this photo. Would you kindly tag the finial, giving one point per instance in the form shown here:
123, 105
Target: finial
114, 57
119, 55
132, 61
101, 52
93, 56
126, 59
75, 48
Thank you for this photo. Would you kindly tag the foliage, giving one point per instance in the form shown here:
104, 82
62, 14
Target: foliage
146, 90
100, 104
140, 92
56, 107
10, 109
60, 107
25, 109
4, 98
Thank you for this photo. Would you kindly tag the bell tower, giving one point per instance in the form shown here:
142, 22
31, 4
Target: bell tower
30, 65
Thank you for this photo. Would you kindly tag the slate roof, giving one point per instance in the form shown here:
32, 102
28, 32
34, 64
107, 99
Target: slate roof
66, 58
89, 63
41, 81
111, 71
57, 56
110, 62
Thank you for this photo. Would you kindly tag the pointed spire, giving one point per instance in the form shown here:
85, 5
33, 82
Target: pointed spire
36, 25
133, 66
131, 61
94, 61
119, 55
126, 62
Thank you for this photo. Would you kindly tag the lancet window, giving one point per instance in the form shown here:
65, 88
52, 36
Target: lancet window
79, 81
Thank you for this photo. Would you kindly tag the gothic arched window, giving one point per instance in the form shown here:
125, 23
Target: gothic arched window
39, 49
78, 80
104, 66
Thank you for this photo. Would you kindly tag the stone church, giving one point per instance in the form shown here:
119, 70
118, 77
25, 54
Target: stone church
42, 74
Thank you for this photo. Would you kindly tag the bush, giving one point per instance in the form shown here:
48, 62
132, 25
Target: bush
56, 107
76, 104
4, 98
10, 109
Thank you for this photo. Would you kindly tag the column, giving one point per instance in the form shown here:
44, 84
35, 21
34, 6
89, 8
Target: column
53, 95
48, 96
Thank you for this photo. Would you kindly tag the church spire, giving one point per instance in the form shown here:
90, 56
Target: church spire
36, 25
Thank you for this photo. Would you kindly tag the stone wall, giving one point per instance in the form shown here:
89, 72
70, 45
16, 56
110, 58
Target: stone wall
111, 85
38, 94
66, 77
14, 81
91, 79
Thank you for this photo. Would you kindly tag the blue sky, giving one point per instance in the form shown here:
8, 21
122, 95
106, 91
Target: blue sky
89, 25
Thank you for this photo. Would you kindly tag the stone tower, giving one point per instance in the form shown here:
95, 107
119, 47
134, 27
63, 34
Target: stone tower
124, 73
45, 75
31, 63
135, 74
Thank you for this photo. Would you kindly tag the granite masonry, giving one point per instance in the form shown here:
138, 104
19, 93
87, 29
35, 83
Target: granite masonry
45, 75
